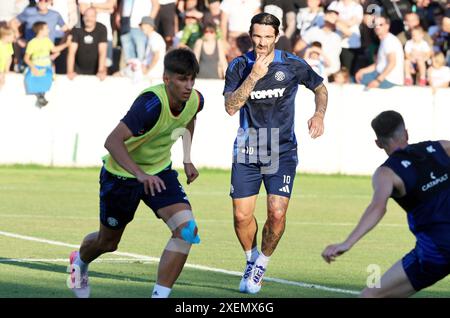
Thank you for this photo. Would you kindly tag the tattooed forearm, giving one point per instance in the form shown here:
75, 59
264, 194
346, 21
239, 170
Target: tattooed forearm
321, 99
235, 100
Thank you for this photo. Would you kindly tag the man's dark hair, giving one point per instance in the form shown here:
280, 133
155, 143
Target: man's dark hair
181, 61
387, 124
38, 26
267, 19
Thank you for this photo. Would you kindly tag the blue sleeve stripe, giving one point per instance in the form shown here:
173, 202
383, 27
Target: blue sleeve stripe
151, 103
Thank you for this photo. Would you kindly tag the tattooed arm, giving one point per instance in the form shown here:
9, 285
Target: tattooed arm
315, 124
235, 100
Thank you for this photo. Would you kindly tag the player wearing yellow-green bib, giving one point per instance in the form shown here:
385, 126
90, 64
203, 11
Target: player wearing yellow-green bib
138, 167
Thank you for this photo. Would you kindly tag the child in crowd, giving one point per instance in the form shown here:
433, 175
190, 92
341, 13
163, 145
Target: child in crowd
417, 53
39, 54
438, 73
342, 76
314, 57
6, 51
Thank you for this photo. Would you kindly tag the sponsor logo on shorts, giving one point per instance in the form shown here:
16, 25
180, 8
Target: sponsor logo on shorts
284, 189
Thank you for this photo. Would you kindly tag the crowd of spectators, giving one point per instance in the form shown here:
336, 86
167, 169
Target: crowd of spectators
379, 43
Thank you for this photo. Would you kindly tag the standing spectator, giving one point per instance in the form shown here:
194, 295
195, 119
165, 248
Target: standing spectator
68, 10
132, 38
417, 53
40, 12
153, 64
235, 21
6, 51
438, 73
388, 69
411, 21
87, 52
330, 40
11, 8
104, 10
210, 54
309, 17
350, 18
166, 20
38, 57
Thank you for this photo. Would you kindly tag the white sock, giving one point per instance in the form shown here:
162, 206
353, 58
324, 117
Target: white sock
82, 265
161, 291
252, 255
262, 260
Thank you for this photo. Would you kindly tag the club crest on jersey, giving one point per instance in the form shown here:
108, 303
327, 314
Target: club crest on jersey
267, 93
280, 76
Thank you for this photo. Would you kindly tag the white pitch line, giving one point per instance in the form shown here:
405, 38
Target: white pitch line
66, 260
193, 266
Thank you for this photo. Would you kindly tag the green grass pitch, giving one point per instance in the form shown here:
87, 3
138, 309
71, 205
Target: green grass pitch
61, 205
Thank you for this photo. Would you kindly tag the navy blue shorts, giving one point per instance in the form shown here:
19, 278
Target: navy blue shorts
120, 197
278, 177
421, 273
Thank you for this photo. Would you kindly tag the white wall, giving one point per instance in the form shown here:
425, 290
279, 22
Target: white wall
90, 109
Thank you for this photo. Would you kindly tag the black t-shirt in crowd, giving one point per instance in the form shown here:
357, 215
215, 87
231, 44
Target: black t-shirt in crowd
86, 58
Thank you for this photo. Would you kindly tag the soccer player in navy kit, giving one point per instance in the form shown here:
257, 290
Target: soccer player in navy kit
262, 86
417, 177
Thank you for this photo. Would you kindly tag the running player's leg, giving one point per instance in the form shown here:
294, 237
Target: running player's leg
394, 283
173, 207
119, 199
180, 220
245, 184
278, 180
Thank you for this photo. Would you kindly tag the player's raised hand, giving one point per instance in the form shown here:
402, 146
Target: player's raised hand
261, 66
315, 126
151, 183
330, 253
191, 172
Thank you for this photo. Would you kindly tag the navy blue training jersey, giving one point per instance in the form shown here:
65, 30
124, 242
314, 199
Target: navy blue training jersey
145, 111
271, 104
425, 170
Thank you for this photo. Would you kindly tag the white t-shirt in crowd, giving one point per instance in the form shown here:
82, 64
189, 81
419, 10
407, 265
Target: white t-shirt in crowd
164, 2
155, 43
440, 76
391, 44
102, 17
418, 47
331, 46
307, 20
346, 13
240, 13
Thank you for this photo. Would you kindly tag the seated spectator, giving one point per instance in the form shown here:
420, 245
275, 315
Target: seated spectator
417, 53
210, 54
153, 63
388, 69
6, 52
315, 59
331, 42
411, 20
191, 31
87, 53
38, 57
341, 77
309, 17
438, 73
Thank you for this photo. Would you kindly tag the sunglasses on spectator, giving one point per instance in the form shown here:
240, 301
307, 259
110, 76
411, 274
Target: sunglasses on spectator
44, 1
209, 31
